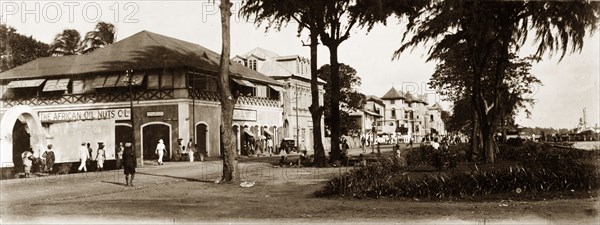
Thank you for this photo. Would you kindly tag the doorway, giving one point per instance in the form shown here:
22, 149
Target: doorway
202, 138
151, 133
21, 143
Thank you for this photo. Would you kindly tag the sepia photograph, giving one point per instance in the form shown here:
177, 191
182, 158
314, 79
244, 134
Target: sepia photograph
300, 112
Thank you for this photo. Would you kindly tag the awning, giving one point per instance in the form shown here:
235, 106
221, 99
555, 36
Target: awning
111, 80
277, 88
25, 83
243, 82
99, 81
268, 133
249, 132
56, 85
138, 77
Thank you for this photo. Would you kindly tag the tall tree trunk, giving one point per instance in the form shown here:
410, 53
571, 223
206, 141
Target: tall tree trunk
227, 99
316, 110
472, 153
335, 101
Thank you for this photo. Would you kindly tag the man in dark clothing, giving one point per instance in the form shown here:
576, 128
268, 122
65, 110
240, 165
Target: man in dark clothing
129, 164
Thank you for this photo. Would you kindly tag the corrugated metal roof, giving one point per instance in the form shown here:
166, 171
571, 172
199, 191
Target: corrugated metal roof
141, 51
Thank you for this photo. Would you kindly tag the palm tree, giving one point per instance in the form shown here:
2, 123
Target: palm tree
102, 35
491, 29
65, 43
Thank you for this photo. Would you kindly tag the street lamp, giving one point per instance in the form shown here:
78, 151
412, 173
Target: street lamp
130, 80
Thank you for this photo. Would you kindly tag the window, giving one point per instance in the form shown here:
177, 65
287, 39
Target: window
391, 124
252, 64
393, 113
431, 118
261, 91
393, 101
203, 83
297, 66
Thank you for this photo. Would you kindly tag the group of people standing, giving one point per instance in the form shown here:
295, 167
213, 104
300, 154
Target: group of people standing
85, 156
189, 149
46, 162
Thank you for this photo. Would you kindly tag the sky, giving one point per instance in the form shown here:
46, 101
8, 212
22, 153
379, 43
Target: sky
568, 87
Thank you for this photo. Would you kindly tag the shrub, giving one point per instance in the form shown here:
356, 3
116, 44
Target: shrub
428, 156
371, 181
544, 169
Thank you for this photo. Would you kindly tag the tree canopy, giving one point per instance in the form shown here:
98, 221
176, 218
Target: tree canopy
350, 98
487, 33
17, 49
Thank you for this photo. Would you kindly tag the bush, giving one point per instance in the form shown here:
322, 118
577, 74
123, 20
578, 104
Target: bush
428, 156
371, 181
545, 169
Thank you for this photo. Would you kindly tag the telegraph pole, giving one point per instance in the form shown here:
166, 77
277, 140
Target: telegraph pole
297, 122
130, 82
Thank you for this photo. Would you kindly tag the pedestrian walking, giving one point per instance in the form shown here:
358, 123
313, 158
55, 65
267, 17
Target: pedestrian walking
270, 146
27, 157
50, 158
160, 151
120, 156
180, 149
191, 150
100, 156
129, 164
91, 153
362, 144
84, 155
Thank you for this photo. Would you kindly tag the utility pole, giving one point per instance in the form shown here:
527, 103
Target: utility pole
297, 122
130, 82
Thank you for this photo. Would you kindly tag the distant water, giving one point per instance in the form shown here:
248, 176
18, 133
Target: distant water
588, 145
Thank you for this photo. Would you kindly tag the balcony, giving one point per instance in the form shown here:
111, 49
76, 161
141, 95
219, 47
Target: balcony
250, 100
89, 98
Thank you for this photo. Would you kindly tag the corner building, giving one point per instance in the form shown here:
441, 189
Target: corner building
172, 84
293, 71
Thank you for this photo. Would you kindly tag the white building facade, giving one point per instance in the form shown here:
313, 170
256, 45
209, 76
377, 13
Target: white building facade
293, 71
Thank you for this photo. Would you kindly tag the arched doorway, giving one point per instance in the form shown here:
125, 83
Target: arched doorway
123, 134
21, 143
202, 138
151, 133
25, 118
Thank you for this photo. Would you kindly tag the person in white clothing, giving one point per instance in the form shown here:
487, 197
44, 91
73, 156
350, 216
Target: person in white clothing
84, 155
435, 144
160, 151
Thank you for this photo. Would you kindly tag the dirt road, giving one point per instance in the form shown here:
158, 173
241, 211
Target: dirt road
185, 192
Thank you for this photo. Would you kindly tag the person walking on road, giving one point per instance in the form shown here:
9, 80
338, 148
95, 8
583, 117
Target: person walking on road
191, 150
129, 164
120, 156
84, 155
100, 156
160, 151
28, 158
50, 158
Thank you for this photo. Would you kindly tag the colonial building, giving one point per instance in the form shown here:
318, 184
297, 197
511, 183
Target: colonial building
294, 72
149, 85
434, 123
368, 117
407, 116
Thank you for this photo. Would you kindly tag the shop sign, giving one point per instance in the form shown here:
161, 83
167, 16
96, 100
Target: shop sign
154, 114
94, 114
243, 114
